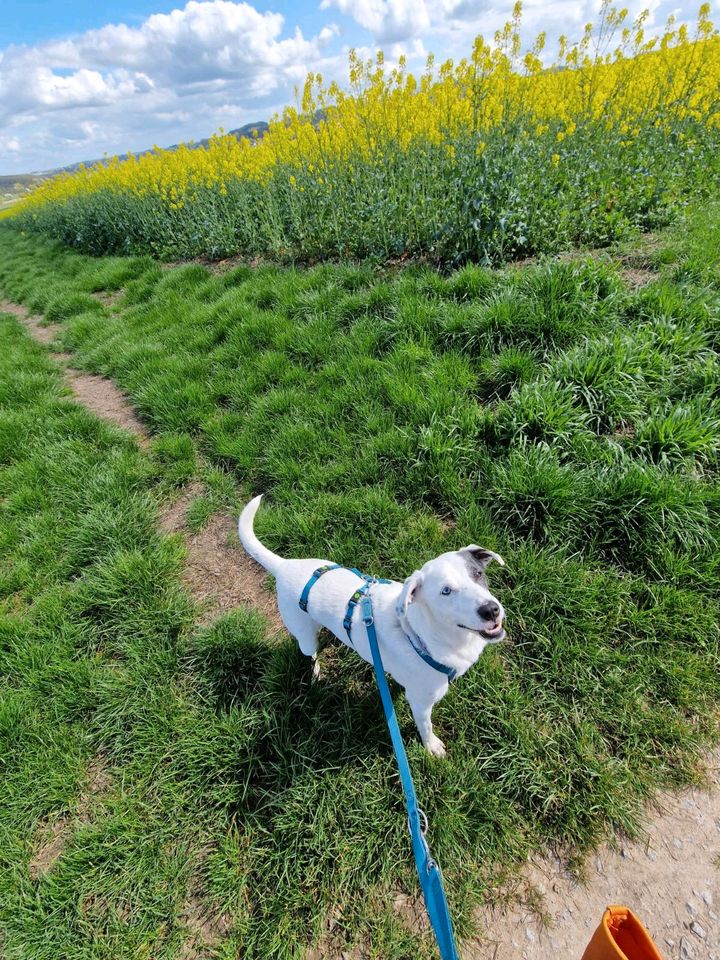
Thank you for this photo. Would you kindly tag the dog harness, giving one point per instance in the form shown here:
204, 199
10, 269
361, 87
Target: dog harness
427, 868
413, 639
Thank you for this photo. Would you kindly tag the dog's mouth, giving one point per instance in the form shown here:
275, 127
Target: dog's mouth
492, 636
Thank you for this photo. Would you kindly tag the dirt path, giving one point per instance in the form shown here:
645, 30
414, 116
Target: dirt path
671, 881
54, 835
218, 573
96, 393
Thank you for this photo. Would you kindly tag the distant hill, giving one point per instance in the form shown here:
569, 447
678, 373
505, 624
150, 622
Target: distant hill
251, 131
14, 180
14, 184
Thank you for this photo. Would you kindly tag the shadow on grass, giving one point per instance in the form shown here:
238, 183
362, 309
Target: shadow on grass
288, 720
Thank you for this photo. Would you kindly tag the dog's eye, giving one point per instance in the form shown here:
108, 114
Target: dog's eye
446, 591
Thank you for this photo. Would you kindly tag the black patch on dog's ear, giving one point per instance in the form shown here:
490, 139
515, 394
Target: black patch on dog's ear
479, 557
409, 593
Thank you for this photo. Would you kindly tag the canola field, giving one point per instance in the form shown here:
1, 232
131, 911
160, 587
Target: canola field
504, 154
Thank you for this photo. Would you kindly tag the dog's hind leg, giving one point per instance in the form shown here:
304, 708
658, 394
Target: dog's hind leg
302, 626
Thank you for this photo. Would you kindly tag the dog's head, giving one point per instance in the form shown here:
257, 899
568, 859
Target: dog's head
450, 596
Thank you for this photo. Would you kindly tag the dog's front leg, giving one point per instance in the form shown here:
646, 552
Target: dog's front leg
421, 705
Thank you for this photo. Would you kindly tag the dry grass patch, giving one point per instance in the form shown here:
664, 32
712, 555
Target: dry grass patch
54, 836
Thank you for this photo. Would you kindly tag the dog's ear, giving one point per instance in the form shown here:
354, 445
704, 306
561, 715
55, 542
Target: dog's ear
480, 557
409, 592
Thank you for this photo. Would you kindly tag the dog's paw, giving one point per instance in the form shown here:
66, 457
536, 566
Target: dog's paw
436, 747
315, 676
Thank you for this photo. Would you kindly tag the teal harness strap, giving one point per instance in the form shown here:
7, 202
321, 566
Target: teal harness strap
422, 651
352, 603
427, 868
303, 601
354, 599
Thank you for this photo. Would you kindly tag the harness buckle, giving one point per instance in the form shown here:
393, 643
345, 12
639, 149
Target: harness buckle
303, 605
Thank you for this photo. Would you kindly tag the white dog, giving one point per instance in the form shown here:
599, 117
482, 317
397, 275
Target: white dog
430, 629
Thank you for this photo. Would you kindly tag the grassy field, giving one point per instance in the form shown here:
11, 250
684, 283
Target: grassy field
555, 412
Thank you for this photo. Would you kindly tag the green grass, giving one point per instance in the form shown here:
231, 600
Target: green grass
548, 412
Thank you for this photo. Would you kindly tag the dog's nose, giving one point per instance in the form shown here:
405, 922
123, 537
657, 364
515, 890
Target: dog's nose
489, 611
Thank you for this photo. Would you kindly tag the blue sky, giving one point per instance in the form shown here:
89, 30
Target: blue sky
30, 21
79, 79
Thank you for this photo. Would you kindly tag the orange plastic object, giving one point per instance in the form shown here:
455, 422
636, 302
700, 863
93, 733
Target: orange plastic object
621, 936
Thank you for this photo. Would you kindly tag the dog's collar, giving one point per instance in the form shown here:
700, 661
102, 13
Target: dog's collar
420, 648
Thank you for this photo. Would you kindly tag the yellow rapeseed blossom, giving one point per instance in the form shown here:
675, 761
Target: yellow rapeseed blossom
663, 80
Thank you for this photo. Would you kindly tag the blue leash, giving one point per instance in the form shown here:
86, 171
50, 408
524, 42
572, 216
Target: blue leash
428, 870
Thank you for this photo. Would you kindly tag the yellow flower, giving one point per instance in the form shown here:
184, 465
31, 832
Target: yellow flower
386, 113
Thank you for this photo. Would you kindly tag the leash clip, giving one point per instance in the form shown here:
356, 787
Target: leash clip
366, 610
422, 816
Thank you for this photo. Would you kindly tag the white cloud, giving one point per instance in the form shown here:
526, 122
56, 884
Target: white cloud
448, 27
204, 40
389, 21
9, 145
139, 81
29, 86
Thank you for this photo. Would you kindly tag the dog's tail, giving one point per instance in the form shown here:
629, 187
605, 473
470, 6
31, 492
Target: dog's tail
271, 561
